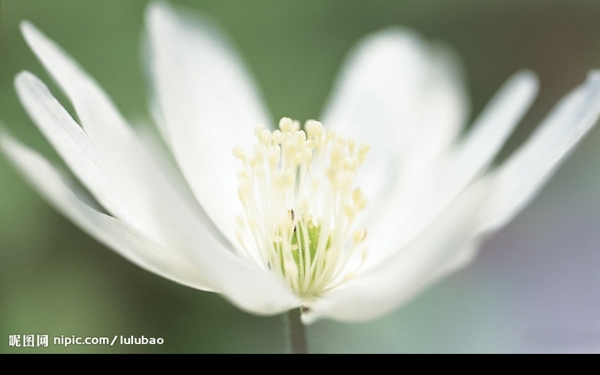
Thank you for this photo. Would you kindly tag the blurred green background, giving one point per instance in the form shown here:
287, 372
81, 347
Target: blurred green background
535, 286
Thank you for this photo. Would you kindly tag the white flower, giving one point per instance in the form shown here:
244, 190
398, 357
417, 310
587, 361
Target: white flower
282, 224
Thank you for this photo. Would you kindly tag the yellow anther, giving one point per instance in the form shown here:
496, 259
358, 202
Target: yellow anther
265, 137
277, 137
295, 125
243, 176
337, 154
351, 145
340, 141
361, 204
349, 211
239, 153
362, 152
239, 236
258, 130
357, 195
349, 164
241, 197
359, 235
306, 156
285, 124
299, 138
314, 128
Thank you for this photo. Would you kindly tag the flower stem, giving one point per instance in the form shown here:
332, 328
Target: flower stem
296, 332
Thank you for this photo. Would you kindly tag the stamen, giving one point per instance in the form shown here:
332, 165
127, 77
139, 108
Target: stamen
297, 191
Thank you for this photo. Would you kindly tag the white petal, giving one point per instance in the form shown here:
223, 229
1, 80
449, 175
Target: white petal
442, 111
413, 206
462, 257
249, 288
403, 96
106, 157
97, 113
208, 105
521, 177
391, 283
123, 177
495, 124
78, 150
141, 198
56, 188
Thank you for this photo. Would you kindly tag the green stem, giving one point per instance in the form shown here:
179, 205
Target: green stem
297, 332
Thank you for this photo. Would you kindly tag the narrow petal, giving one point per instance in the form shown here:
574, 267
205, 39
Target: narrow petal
495, 124
414, 206
520, 178
208, 104
389, 284
116, 172
112, 232
247, 287
406, 98
442, 111
80, 153
142, 196
99, 116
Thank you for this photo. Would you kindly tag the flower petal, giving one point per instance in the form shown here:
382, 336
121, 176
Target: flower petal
403, 96
80, 153
114, 233
141, 197
98, 115
105, 155
208, 104
495, 124
389, 284
131, 187
412, 207
521, 177
249, 288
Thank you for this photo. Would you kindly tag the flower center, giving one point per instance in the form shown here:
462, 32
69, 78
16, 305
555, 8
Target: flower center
300, 203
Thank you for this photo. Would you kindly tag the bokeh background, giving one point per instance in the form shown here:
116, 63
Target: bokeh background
535, 287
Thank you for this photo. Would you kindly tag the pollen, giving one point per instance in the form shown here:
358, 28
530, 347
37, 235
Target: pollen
300, 205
